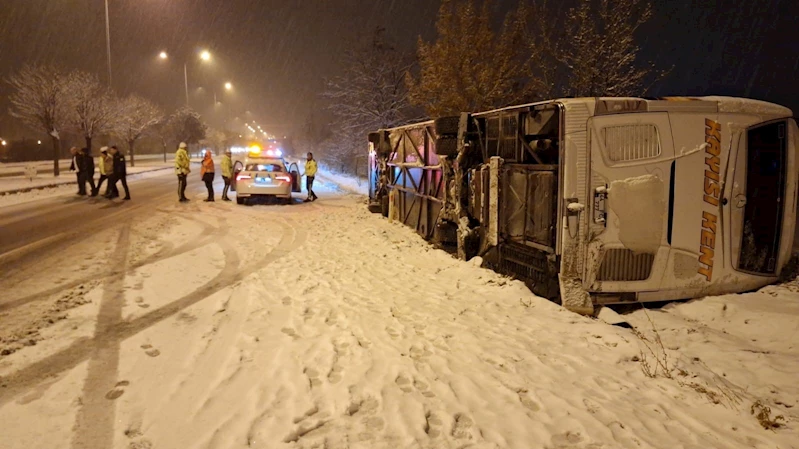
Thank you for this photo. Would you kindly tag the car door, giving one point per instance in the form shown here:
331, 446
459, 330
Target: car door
294, 170
237, 167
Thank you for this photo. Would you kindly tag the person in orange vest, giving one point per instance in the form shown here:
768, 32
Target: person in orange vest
207, 173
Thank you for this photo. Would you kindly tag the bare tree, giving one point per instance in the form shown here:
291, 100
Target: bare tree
137, 117
602, 50
370, 94
38, 101
470, 66
93, 107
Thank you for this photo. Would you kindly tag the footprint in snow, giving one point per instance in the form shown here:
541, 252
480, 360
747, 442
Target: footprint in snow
286, 301
404, 384
335, 373
149, 350
117, 391
418, 352
393, 333
463, 427
289, 331
423, 388
433, 425
567, 439
313, 377
528, 403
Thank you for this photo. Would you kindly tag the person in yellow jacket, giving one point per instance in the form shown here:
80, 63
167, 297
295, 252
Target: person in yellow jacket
207, 173
310, 173
106, 166
182, 169
227, 173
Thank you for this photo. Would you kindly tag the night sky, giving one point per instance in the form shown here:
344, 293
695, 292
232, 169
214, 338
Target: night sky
278, 52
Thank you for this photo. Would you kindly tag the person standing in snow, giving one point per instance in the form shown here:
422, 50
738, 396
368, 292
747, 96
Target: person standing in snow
182, 169
227, 173
77, 167
207, 174
310, 174
106, 166
88, 165
120, 172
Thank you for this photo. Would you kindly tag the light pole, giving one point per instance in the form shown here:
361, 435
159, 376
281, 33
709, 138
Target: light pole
205, 55
108, 42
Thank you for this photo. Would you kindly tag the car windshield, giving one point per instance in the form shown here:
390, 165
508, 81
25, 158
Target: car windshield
264, 167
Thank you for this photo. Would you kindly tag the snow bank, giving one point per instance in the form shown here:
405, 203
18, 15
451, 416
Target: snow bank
349, 183
639, 205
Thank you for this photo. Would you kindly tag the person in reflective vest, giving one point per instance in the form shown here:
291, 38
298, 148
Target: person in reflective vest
310, 174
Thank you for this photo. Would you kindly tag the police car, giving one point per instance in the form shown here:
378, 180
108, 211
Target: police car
264, 174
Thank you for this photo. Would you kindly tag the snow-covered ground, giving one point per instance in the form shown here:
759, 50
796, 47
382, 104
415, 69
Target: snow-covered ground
320, 325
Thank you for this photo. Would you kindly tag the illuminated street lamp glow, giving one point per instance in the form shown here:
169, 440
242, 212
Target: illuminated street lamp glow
228, 86
4, 143
163, 55
205, 55
39, 142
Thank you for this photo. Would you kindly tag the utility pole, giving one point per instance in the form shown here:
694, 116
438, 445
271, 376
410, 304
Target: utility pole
108, 43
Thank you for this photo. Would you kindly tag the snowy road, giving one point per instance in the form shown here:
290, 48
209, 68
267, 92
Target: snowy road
66, 217
323, 326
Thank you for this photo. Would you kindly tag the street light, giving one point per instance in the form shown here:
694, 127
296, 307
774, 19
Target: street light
228, 86
108, 42
205, 55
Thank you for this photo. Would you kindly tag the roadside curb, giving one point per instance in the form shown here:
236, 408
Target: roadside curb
58, 184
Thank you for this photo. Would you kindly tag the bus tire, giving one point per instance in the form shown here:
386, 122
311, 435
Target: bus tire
447, 126
447, 146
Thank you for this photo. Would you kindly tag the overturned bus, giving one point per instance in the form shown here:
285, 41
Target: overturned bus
594, 201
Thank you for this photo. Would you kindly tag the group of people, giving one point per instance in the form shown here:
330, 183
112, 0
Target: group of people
111, 166
207, 172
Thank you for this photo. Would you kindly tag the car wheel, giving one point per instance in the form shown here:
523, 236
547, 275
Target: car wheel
239, 200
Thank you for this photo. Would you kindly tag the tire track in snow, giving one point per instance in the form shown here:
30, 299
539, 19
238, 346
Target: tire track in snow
80, 350
94, 426
210, 235
121, 213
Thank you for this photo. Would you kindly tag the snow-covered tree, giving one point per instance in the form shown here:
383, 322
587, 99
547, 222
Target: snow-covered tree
38, 100
93, 108
601, 52
470, 66
214, 139
137, 117
369, 95
186, 125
